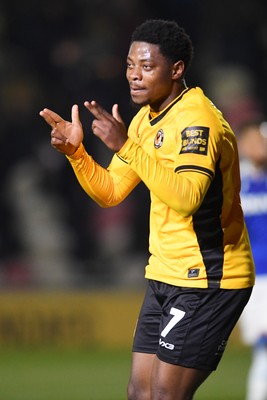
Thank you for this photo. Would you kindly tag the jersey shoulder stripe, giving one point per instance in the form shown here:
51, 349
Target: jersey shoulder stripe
196, 168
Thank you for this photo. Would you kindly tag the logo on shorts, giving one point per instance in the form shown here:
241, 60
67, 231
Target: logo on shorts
221, 348
195, 140
158, 141
193, 273
166, 345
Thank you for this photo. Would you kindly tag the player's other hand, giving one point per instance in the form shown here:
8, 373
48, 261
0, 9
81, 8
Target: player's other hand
65, 136
110, 128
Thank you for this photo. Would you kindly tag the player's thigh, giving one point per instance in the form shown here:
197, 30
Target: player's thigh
174, 382
140, 378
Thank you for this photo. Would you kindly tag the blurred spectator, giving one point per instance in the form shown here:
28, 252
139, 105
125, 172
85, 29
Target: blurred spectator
253, 322
234, 93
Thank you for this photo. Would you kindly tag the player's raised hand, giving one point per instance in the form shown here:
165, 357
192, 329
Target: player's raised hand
110, 128
65, 136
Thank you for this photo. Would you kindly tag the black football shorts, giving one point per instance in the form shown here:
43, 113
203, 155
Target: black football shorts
188, 326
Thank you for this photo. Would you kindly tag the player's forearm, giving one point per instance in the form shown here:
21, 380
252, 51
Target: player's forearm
182, 192
103, 185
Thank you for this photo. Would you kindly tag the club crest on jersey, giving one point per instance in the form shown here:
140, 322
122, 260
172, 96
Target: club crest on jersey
195, 140
158, 141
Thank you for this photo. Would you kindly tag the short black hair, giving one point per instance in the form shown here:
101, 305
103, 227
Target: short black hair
172, 39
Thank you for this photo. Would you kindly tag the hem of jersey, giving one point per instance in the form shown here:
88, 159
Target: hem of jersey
243, 283
202, 284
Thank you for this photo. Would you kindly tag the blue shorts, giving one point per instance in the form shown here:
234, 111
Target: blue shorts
188, 326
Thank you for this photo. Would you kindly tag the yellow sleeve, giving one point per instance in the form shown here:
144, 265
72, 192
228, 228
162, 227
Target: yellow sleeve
106, 186
182, 192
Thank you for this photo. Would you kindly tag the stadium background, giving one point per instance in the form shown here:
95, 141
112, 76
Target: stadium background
71, 274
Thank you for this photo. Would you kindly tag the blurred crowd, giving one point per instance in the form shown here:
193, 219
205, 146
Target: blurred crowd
57, 53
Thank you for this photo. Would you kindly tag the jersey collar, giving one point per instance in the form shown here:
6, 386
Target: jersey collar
159, 117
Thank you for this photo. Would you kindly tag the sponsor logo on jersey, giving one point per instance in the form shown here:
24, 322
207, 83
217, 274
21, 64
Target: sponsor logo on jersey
195, 140
168, 346
158, 141
193, 273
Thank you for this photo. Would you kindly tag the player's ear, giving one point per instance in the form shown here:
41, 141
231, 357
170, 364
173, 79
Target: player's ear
177, 70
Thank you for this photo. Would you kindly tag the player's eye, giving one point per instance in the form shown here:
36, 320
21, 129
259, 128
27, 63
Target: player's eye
147, 67
129, 65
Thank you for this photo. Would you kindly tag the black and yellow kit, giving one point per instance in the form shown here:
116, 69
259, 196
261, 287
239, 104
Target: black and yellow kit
187, 157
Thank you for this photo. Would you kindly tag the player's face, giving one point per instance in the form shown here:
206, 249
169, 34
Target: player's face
150, 76
253, 146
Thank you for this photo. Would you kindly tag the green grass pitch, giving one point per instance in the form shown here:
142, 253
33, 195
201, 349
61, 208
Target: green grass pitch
87, 374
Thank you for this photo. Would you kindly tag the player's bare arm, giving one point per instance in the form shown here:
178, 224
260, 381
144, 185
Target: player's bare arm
110, 128
65, 136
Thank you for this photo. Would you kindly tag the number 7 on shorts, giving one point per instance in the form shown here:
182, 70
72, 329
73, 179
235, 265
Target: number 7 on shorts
177, 316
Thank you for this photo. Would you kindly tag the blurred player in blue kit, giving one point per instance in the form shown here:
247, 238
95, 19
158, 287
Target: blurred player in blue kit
200, 271
253, 322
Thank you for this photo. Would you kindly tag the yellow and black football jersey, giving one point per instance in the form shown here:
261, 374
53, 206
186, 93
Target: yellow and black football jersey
187, 157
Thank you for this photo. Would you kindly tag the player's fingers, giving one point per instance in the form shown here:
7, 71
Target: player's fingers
116, 114
57, 141
75, 114
47, 118
98, 112
50, 117
97, 128
58, 138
